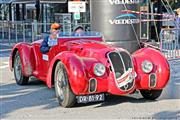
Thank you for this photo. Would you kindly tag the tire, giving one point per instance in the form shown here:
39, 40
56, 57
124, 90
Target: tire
19, 77
64, 94
151, 94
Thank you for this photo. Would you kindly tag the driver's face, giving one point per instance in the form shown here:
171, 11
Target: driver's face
79, 31
178, 12
54, 34
54, 31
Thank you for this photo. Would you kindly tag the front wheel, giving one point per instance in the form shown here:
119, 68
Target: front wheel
151, 94
19, 77
64, 94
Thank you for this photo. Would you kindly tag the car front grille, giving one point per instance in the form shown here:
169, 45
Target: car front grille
127, 60
121, 63
117, 64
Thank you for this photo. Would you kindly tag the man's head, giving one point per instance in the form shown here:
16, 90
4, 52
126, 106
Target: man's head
79, 29
54, 30
55, 26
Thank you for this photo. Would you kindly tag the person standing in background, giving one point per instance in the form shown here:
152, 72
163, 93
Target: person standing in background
178, 23
178, 18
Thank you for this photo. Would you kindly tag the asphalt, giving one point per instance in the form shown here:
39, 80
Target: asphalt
36, 102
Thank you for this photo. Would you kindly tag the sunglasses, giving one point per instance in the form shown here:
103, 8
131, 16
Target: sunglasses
56, 28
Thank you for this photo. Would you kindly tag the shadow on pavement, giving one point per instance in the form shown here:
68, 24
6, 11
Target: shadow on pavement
115, 100
15, 97
36, 94
167, 115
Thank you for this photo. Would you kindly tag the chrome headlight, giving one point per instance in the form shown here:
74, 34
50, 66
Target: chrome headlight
99, 69
147, 66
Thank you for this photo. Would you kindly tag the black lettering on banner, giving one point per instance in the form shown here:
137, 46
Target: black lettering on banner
117, 2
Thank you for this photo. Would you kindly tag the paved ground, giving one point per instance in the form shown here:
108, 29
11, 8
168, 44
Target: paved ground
36, 101
5, 50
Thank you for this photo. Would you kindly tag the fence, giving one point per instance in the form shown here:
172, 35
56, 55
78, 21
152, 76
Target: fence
170, 43
14, 32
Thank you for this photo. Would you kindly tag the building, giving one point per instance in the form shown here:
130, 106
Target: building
40, 10
49, 11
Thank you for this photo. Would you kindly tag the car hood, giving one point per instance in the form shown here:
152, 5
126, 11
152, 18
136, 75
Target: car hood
90, 45
91, 48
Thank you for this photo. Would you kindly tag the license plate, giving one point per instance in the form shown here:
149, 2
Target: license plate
90, 98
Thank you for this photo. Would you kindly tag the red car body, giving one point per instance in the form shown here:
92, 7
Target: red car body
80, 54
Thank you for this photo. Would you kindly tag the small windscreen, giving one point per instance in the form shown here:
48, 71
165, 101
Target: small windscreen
82, 34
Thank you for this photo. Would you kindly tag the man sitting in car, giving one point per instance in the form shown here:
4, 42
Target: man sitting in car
79, 31
50, 40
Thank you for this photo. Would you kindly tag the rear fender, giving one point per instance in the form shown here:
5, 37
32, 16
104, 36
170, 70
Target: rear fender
160, 68
26, 56
75, 70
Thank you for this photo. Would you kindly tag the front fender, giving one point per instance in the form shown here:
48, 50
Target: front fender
160, 68
75, 70
27, 58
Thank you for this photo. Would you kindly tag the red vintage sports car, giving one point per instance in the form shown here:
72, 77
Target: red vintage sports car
84, 68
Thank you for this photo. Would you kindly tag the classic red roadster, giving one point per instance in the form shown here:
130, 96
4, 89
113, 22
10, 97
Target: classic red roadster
84, 69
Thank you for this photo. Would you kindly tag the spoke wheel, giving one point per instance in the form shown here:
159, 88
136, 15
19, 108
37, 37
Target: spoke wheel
64, 94
19, 77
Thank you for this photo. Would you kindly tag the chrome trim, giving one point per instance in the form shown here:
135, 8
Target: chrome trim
117, 51
130, 87
142, 66
95, 66
112, 66
150, 80
90, 86
122, 61
130, 58
112, 63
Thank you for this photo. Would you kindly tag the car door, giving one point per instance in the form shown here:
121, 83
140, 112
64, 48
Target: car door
43, 61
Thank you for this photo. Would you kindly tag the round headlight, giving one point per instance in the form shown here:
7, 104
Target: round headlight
99, 69
147, 66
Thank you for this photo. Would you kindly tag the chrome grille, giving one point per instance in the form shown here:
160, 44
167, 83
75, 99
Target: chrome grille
120, 62
127, 60
121, 65
116, 64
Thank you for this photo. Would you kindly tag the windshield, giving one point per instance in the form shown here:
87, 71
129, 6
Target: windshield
82, 34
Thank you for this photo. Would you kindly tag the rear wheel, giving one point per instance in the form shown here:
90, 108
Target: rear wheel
19, 77
64, 94
151, 94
